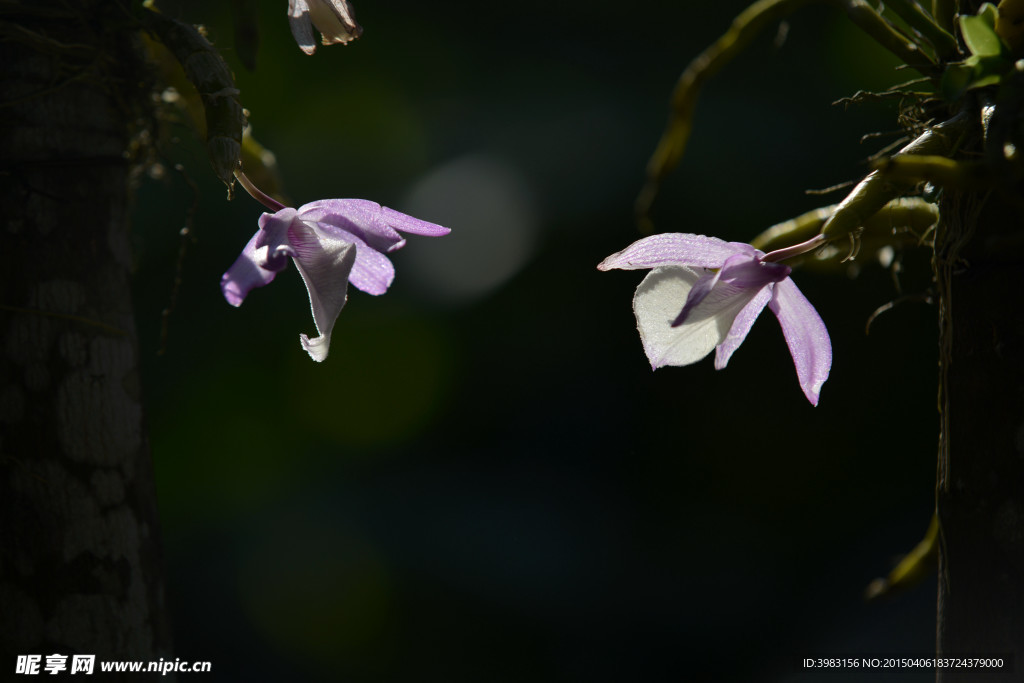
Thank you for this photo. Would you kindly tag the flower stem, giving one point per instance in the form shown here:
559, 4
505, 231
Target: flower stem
795, 250
257, 194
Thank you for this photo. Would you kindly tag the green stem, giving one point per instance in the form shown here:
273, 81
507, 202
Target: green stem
877, 188
910, 213
256, 193
795, 250
743, 30
935, 169
944, 12
919, 20
872, 23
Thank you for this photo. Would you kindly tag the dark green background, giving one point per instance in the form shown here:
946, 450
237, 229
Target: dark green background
494, 486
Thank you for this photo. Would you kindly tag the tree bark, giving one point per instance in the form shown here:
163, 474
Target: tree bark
979, 269
80, 564
980, 487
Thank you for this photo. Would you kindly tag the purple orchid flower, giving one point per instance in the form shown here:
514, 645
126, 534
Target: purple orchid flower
334, 20
704, 293
332, 242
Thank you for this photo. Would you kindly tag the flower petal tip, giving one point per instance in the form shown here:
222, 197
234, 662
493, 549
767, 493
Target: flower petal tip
612, 262
412, 225
231, 293
656, 357
316, 348
813, 393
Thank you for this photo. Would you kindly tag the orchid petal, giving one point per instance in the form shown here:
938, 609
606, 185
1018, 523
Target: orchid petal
324, 269
412, 225
806, 336
739, 272
360, 217
245, 274
655, 304
675, 249
749, 271
335, 21
724, 303
372, 272
377, 225
741, 326
302, 25
273, 246
701, 288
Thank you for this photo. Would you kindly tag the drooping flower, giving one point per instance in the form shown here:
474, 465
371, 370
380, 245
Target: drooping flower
333, 242
704, 293
334, 20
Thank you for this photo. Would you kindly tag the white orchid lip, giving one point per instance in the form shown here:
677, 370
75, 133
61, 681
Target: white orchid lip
704, 293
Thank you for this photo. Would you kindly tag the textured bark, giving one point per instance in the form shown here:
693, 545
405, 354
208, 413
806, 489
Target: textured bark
980, 487
80, 564
981, 455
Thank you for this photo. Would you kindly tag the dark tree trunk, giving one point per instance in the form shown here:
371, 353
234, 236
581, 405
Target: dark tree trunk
980, 488
980, 271
80, 568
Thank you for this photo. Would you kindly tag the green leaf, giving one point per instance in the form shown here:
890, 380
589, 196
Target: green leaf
989, 13
980, 33
991, 79
976, 71
990, 69
955, 81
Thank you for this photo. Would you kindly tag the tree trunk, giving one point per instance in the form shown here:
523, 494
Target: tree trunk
980, 496
80, 567
979, 268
